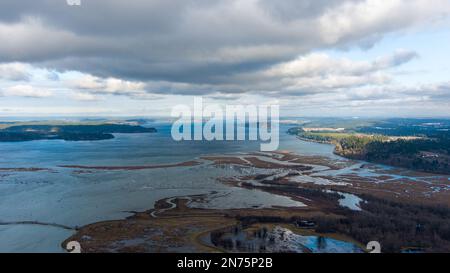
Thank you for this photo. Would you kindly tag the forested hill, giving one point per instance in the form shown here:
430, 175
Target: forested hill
82, 132
426, 153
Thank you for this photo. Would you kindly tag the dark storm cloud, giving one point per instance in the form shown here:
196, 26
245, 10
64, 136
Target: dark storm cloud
194, 42
289, 10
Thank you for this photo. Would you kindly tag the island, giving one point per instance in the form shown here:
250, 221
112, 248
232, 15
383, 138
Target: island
69, 132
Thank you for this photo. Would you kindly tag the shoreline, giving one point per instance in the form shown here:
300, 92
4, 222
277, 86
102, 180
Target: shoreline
131, 168
349, 157
202, 222
135, 233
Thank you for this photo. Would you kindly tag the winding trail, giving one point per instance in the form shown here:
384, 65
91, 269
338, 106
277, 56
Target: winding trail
172, 205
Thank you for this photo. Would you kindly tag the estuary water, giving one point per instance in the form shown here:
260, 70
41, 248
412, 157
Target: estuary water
31, 202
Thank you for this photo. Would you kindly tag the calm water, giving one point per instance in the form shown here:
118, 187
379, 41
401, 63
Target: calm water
72, 199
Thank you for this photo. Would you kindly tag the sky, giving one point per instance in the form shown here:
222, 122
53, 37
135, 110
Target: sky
350, 58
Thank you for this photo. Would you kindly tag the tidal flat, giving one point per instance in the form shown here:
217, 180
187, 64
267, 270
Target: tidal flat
111, 184
220, 222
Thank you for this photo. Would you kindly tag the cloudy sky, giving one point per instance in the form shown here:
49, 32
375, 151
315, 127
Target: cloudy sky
141, 57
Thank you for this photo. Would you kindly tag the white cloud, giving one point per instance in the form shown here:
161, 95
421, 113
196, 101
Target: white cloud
372, 17
88, 82
112, 86
26, 91
319, 64
15, 71
81, 96
320, 72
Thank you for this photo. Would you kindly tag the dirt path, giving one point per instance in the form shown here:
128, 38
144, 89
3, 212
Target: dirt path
172, 205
